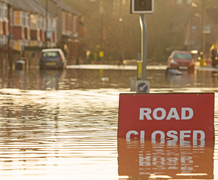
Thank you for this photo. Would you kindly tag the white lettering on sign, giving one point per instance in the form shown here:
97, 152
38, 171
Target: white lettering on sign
160, 114
128, 135
171, 135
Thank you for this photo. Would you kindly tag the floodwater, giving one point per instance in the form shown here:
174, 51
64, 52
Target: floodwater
63, 125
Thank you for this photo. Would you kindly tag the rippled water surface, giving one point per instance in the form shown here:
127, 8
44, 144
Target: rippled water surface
63, 125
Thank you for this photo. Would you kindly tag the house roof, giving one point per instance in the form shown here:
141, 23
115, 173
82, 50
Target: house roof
65, 7
33, 6
17, 4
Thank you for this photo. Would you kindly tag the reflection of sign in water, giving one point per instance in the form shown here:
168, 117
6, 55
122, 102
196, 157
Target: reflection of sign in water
50, 79
167, 117
165, 160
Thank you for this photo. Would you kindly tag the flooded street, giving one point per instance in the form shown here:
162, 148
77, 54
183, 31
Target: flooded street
63, 125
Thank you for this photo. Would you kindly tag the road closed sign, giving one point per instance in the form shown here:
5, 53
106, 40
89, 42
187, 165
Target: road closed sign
166, 117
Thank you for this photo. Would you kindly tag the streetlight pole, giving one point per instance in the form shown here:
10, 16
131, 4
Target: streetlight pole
46, 23
203, 24
101, 10
143, 45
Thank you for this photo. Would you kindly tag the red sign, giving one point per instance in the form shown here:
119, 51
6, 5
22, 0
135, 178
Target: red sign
166, 117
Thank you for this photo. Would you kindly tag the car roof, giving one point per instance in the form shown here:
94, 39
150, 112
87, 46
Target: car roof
53, 49
177, 51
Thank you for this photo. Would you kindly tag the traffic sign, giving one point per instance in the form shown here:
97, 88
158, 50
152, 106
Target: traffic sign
142, 6
142, 86
166, 117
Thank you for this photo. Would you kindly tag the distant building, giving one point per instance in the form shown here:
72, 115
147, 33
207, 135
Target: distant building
40, 23
211, 26
28, 24
4, 26
69, 27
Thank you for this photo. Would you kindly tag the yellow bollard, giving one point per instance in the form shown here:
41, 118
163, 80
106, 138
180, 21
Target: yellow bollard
202, 62
139, 69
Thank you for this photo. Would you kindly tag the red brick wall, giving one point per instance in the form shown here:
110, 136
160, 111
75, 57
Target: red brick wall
17, 33
5, 28
33, 35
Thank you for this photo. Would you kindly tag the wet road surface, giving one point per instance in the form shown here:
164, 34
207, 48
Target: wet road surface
63, 124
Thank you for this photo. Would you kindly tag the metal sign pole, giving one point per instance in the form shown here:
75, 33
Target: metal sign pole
143, 45
142, 7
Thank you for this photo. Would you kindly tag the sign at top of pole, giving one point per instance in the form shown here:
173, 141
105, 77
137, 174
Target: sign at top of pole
142, 6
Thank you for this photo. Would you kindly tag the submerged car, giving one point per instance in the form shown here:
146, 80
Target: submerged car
52, 58
181, 60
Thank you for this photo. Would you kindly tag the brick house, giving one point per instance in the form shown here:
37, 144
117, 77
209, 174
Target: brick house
28, 24
69, 27
4, 24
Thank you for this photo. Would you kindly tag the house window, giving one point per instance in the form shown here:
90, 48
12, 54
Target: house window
17, 45
17, 18
54, 24
3, 11
3, 40
75, 23
12, 18
49, 24
69, 25
24, 19
63, 22
33, 21
42, 22
22, 14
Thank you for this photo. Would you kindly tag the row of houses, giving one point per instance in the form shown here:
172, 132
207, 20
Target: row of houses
34, 24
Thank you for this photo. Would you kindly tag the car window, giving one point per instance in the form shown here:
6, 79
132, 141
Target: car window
50, 54
182, 56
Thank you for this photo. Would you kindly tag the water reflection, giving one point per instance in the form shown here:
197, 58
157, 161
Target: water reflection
49, 79
147, 160
102, 78
186, 79
58, 134
196, 79
35, 79
63, 125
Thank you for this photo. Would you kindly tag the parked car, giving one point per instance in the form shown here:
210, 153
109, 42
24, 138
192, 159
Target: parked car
52, 58
181, 60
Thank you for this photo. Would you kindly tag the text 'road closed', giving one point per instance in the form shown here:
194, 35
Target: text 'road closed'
166, 117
